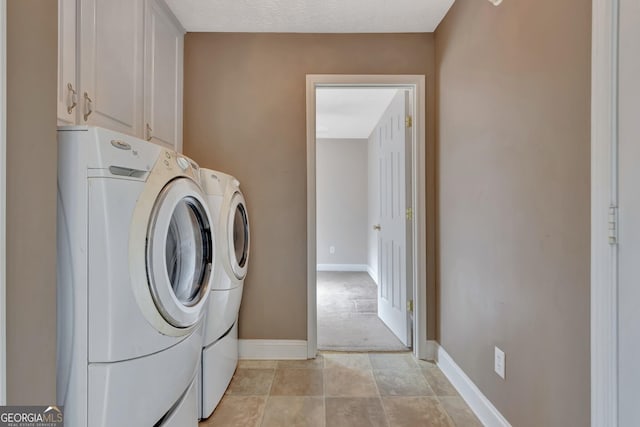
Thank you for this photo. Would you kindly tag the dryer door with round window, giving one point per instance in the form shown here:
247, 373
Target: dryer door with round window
238, 236
180, 253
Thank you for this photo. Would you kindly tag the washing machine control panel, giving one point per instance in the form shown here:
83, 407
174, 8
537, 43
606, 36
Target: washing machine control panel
182, 163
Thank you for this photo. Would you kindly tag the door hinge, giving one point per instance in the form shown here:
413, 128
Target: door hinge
613, 225
408, 121
409, 214
410, 306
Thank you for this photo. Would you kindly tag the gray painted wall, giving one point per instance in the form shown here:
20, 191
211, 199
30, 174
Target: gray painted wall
514, 211
341, 194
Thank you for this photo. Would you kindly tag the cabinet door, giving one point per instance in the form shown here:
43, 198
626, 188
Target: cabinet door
67, 81
164, 42
111, 61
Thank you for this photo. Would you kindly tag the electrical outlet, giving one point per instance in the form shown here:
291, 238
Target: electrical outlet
332, 250
498, 363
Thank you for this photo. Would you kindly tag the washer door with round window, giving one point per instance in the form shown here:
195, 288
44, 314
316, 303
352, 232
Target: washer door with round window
180, 253
238, 236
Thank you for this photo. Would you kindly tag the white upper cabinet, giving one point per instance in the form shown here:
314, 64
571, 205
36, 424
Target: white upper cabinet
67, 81
111, 61
120, 66
163, 65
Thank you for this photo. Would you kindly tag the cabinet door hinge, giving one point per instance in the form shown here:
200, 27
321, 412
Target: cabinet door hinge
410, 306
613, 225
408, 121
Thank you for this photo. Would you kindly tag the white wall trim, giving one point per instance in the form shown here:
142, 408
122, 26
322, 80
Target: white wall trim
372, 274
312, 258
417, 84
432, 350
477, 401
342, 267
163, 4
272, 349
3, 201
604, 282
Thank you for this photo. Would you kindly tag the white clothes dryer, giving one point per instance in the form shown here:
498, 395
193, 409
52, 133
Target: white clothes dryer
220, 344
135, 258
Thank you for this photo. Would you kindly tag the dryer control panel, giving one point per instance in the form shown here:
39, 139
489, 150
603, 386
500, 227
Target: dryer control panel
180, 164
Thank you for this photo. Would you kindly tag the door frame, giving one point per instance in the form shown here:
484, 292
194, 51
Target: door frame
604, 172
3, 200
419, 149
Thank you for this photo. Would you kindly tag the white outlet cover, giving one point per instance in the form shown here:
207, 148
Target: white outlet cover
332, 249
499, 362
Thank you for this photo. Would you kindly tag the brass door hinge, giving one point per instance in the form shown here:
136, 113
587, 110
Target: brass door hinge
410, 306
408, 121
613, 225
409, 214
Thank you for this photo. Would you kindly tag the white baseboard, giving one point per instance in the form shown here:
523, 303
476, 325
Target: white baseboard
478, 402
372, 274
272, 349
342, 267
431, 352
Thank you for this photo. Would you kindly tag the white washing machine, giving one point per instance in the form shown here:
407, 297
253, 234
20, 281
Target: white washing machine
220, 344
135, 258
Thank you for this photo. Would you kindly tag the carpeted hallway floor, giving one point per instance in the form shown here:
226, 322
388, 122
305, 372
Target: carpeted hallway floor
347, 314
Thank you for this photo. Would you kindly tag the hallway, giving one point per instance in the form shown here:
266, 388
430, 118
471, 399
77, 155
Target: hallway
347, 314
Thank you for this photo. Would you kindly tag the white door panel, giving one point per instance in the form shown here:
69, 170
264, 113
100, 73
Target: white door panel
629, 210
111, 54
67, 82
394, 286
164, 46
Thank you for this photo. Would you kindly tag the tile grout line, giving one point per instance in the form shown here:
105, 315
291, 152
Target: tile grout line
324, 391
384, 411
437, 396
266, 401
445, 411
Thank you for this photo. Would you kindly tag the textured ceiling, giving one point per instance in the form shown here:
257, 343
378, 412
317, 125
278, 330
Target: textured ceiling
311, 16
350, 112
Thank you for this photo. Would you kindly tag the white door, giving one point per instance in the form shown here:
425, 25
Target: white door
629, 212
394, 288
164, 46
111, 61
67, 81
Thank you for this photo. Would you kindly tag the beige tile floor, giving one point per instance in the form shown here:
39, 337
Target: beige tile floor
341, 389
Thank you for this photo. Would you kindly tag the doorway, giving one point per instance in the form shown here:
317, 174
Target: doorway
363, 159
382, 281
